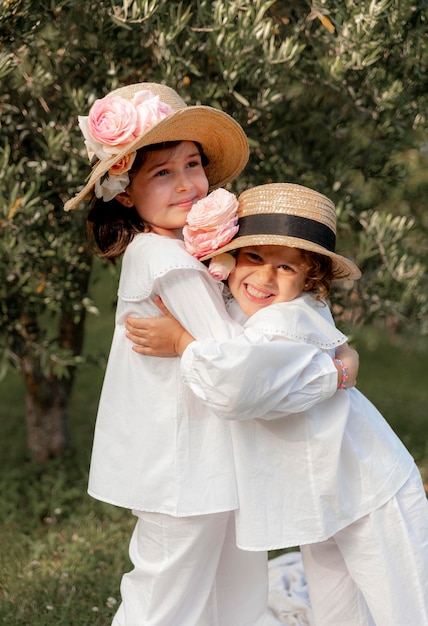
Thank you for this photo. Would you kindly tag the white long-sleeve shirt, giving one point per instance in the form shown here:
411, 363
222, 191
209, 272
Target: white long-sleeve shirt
304, 470
157, 447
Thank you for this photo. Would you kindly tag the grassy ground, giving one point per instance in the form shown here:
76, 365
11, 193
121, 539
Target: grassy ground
62, 554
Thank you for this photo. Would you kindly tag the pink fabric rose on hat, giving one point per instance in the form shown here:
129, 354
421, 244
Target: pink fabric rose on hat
211, 223
112, 122
150, 110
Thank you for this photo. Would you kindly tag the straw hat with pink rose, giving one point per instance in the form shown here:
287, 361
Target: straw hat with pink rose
283, 214
144, 114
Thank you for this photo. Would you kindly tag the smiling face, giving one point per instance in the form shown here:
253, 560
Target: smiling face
265, 275
166, 186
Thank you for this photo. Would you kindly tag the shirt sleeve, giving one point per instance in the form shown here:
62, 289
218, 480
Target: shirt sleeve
156, 265
253, 376
196, 301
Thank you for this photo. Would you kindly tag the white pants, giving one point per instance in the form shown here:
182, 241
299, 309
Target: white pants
375, 571
189, 572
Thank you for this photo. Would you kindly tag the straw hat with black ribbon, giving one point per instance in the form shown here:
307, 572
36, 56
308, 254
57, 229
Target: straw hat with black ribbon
286, 214
222, 139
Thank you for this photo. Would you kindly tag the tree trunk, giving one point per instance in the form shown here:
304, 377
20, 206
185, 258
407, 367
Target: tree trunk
48, 396
46, 411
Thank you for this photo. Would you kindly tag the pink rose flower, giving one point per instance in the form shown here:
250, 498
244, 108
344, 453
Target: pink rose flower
221, 266
112, 122
211, 223
150, 110
218, 207
200, 242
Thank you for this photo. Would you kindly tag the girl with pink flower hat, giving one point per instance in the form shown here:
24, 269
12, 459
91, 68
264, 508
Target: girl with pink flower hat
158, 450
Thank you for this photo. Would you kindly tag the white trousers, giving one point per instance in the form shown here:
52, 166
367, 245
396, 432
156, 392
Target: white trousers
189, 572
375, 571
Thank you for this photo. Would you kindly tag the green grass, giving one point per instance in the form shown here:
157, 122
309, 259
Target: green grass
62, 554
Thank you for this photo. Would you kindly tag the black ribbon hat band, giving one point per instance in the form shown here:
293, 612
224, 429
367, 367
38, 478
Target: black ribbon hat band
287, 226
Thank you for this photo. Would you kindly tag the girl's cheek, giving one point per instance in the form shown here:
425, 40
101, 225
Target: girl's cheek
232, 282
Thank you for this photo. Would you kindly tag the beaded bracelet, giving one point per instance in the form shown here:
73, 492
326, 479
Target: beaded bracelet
343, 371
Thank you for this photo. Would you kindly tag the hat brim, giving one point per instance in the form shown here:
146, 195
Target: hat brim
343, 268
222, 139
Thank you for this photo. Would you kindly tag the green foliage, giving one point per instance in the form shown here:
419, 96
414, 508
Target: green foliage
387, 264
42, 268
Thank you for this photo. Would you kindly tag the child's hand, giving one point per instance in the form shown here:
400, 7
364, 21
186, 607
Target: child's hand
158, 336
351, 359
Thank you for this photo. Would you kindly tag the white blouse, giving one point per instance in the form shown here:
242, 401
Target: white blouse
157, 447
304, 470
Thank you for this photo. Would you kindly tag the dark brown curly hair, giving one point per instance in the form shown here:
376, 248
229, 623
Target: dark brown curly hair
319, 273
